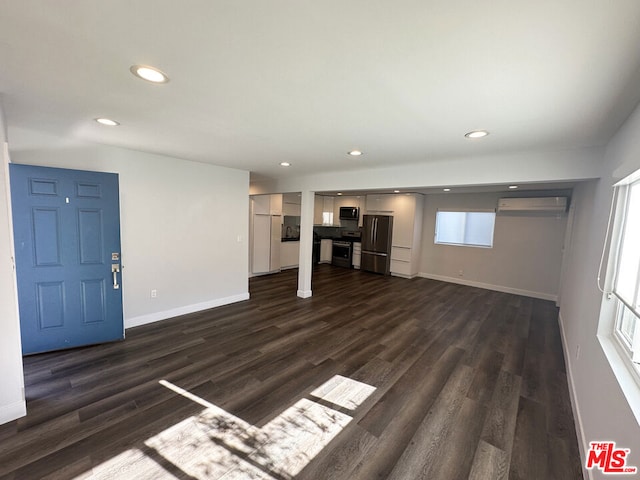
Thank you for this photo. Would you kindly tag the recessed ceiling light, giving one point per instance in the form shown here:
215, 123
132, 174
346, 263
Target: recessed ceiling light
396, 191
476, 134
150, 74
107, 121
355, 153
285, 164
446, 189
339, 193
513, 187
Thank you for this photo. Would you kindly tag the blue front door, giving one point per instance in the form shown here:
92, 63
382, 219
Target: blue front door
66, 227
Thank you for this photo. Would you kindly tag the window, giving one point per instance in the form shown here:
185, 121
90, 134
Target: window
465, 228
327, 218
626, 285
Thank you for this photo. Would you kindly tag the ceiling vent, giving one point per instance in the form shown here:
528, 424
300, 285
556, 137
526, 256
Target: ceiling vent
533, 204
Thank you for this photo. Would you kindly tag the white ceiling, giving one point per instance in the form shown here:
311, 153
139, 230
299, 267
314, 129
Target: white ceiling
258, 82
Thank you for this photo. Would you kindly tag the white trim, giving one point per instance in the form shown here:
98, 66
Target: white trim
262, 274
622, 369
402, 275
176, 312
12, 411
489, 286
304, 293
573, 395
17, 409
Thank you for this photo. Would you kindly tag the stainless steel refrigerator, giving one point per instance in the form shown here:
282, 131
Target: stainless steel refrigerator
376, 243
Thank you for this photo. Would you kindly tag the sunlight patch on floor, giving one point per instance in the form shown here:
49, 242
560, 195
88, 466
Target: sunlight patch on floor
218, 445
344, 392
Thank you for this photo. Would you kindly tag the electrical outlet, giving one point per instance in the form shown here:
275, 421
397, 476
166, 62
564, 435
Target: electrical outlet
154, 293
461, 273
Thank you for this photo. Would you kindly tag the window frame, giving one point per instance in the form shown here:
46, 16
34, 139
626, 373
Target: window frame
466, 212
630, 347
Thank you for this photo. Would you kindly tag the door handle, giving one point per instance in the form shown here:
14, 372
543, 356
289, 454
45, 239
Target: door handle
375, 230
115, 269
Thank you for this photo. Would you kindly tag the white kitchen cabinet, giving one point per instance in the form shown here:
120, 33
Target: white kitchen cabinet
261, 204
401, 269
407, 234
357, 255
275, 204
291, 209
404, 219
401, 261
265, 253
289, 254
381, 203
323, 211
326, 247
267, 204
327, 211
402, 254
318, 206
291, 204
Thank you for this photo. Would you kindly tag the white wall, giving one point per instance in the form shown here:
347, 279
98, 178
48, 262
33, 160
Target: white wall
184, 228
525, 258
601, 403
12, 404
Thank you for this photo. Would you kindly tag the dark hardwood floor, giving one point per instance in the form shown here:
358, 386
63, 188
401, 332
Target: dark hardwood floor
372, 378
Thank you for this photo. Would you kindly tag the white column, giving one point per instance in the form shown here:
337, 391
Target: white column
305, 268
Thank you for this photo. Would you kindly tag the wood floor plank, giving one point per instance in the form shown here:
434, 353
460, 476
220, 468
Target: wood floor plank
489, 462
426, 455
530, 451
455, 382
500, 422
409, 412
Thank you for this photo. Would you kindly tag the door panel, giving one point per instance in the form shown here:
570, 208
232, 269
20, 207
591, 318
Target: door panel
45, 223
66, 229
50, 303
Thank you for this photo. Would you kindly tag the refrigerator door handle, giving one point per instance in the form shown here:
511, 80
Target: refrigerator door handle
373, 222
375, 230
364, 252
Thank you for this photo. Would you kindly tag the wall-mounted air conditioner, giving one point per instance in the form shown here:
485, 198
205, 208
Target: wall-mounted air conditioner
533, 204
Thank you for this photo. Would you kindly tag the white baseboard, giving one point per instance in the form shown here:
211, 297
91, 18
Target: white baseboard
262, 274
489, 286
582, 441
12, 411
402, 275
304, 293
176, 312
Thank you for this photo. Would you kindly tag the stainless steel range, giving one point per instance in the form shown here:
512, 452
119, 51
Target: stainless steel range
341, 255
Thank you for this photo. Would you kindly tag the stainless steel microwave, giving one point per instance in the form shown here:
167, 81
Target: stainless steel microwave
349, 213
